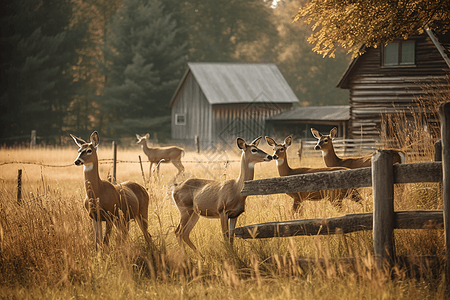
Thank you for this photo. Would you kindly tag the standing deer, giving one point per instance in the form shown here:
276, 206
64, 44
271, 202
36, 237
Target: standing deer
325, 144
216, 199
156, 155
280, 155
107, 202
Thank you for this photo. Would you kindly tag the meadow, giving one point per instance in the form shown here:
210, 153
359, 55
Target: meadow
47, 248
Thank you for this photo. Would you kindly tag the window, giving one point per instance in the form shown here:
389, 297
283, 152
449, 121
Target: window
180, 119
399, 54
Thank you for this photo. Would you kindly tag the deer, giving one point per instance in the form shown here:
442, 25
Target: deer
105, 202
325, 144
157, 155
216, 199
280, 156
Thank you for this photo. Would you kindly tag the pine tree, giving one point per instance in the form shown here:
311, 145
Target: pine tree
38, 50
144, 59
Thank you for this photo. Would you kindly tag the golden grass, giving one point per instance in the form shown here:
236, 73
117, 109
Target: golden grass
47, 248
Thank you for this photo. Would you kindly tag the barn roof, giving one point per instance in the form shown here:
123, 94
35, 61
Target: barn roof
224, 83
314, 113
442, 43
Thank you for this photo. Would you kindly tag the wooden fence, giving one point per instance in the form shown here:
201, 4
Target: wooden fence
381, 176
342, 147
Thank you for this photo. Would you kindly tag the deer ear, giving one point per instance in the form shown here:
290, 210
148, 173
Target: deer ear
288, 141
147, 136
241, 144
270, 141
316, 133
94, 139
256, 141
77, 140
138, 136
333, 132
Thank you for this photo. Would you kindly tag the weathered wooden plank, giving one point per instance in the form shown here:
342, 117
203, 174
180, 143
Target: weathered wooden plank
405, 173
383, 207
444, 114
309, 182
337, 225
418, 172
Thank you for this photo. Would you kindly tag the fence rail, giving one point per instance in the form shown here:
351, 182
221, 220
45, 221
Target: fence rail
406, 173
339, 225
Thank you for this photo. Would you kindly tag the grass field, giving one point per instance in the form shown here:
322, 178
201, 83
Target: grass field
47, 248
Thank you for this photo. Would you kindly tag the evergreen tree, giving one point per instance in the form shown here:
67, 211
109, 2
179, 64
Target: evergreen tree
143, 62
38, 50
84, 116
228, 30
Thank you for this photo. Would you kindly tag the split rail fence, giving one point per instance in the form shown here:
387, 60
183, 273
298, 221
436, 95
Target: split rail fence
381, 177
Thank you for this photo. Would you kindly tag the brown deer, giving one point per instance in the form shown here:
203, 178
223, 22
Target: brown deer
325, 144
107, 202
216, 199
157, 155
280, 155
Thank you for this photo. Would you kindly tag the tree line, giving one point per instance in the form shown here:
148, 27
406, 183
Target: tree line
73, 66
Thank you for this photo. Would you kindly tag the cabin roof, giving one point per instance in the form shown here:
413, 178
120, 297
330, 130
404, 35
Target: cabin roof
314, 113
226, 83
442, 43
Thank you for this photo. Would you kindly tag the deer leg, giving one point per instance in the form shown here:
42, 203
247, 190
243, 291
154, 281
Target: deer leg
185, 227
297, 201
143, 224
98, 233
109, 226
224, 224
232, 226
178, 165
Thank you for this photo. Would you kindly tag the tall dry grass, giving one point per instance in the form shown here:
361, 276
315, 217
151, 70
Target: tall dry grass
47, 243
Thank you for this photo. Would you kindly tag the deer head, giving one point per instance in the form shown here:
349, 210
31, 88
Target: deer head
325, 141
279, 149
87, 152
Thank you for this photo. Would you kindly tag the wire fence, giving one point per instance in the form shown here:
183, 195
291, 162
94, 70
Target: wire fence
111, 161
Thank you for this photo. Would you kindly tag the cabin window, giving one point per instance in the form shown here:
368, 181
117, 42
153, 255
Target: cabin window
399, 54
180, 119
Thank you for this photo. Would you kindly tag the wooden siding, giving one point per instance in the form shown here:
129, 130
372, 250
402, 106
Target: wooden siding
375, 89
243, 120
193, 104
221, 123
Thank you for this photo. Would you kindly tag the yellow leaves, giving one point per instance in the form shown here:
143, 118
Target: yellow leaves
352, 23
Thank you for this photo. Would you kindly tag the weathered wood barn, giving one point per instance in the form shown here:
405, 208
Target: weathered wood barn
299, 120
388, 79
221, 101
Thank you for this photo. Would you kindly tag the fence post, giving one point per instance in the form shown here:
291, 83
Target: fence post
438, 151
33, 138
197, 143
114, 146
300, 150
383, 207
444, 114
19, 187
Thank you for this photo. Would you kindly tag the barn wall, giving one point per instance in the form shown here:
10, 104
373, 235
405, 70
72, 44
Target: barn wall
193, 104
301, 129
242, 120
375, 89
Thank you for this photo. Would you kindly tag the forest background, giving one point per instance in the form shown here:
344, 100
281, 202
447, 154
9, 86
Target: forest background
73, 66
